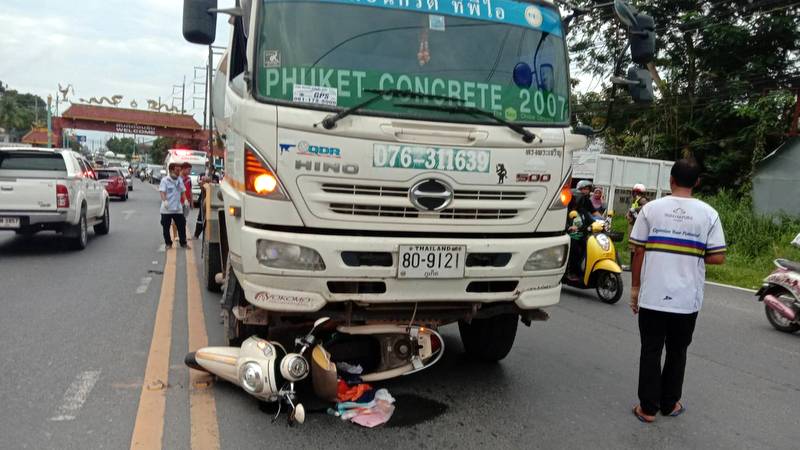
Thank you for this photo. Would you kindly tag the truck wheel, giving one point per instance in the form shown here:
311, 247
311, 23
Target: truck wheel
81, 232
233, 295
609, 287
212, 265
489, 339
105, 226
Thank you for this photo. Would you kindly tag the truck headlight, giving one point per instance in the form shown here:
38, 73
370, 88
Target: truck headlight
547, 258
280, 255
603, 241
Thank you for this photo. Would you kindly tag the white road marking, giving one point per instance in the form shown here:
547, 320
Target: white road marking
752, 291
162, 248
76, 395
128, 213
145, 283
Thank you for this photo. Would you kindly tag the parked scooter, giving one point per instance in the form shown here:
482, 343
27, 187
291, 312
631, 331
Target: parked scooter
781, 294
599, 268
265, 370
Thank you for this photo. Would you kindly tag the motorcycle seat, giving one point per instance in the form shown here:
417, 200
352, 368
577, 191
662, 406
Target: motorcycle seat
790, 265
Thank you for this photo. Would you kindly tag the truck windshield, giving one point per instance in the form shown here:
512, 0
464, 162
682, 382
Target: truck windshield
501, 56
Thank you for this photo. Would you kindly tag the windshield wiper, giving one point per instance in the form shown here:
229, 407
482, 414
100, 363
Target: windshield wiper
329, 122
527, 136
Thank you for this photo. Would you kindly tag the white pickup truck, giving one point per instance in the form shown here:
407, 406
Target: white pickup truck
51, 189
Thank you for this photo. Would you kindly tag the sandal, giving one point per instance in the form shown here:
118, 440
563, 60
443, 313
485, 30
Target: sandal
637, 411
678, 410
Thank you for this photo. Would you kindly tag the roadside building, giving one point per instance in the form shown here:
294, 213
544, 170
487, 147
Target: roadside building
776, 183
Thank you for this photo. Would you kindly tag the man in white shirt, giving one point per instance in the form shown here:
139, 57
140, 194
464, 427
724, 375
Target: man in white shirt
674, 238
171, 190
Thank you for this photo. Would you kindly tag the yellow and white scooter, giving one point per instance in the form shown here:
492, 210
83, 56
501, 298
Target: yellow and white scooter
599, 266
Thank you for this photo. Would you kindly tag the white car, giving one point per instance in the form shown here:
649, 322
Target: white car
51, 189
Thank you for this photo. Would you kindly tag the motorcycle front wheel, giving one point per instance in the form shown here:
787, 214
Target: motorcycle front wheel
609, 287
779, 322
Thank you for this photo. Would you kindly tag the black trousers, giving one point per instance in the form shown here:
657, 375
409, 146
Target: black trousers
201, 210
660, 390
180, 223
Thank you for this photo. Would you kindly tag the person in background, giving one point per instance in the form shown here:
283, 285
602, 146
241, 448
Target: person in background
674, 238
172, 189
637, 195
201, 209
583, 203
598, 202
576, 245
186, 170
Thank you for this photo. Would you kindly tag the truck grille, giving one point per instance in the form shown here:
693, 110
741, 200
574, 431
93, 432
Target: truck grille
399, 211
395, 191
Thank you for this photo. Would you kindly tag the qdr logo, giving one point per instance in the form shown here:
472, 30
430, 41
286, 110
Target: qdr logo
304, 148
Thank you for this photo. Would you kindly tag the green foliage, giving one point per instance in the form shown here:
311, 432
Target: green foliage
19, 112
728, 70
158, 150
124, 145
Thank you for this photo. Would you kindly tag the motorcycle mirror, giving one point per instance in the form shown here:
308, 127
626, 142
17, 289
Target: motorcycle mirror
299, 414
320, 321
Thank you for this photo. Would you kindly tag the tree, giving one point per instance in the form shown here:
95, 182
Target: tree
728, 69
159, 148
123, 145
19, 112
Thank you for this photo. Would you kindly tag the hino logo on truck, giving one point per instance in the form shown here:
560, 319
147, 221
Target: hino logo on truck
326, 167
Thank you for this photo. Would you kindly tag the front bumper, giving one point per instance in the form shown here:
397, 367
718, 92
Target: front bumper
307, 291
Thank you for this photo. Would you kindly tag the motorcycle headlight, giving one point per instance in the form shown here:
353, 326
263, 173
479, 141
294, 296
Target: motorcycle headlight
294, 367
280, 255
546, 259
251, 377
604, 241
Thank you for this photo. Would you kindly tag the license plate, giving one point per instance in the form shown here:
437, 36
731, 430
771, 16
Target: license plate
431, 261
9, 222
431, 158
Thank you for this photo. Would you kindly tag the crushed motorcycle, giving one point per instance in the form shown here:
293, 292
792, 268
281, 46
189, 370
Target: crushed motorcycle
269, 372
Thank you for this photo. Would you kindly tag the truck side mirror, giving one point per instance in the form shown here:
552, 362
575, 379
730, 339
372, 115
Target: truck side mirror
200, 21
583, 130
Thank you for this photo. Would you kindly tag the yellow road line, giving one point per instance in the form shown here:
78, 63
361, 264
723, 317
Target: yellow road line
148, 430
202, 407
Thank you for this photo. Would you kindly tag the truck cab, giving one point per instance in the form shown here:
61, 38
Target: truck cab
394, 161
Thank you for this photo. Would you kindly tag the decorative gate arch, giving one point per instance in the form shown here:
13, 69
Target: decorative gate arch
181, 127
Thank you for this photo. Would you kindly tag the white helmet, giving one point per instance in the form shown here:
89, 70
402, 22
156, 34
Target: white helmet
584, 184
639, 187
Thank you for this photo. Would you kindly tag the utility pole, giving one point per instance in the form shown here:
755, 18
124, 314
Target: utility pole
49, 123
183, 95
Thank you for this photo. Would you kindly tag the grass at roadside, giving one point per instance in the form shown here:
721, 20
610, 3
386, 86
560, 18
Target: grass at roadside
753, 241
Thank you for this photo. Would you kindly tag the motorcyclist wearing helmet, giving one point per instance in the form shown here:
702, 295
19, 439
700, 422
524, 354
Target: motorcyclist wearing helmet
584, 216
637, 201
583, 203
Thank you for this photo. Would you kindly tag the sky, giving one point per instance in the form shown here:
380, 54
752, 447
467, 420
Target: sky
132, 48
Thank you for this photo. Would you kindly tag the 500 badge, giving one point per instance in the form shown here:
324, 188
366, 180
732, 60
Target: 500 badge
430, 158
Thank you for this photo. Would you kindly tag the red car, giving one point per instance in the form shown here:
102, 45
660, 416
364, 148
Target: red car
114, 182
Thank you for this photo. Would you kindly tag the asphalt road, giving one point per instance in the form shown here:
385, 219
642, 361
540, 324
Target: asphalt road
76, 331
